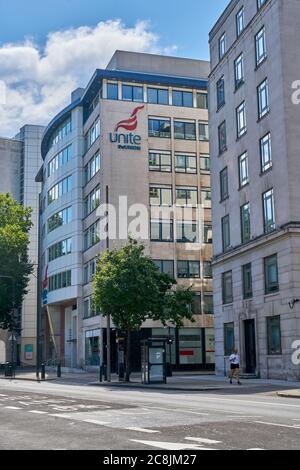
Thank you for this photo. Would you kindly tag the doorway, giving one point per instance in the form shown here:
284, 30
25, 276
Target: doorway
250, 347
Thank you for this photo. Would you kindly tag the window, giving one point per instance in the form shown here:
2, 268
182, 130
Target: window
60, 281
60, 249
266, 153
227, 288
161, 231
196, 304
92, 201
206, 198
187, 232
228, 338
222, 137
186, 163
160, 128
202, 101
93, 166
260, 3
263, 99
207, 234
92, 134
64, 186
182, 98
274, 335
188, 269
245, 223
60, 218
160, 161
243, 170
241, 120
207, 270
59, 160
185, 130
222, 46
260, 46
91, 236
160, 196
208, 304
132, 93
203, 131
224, 184
62, 131
220, 93
205, 163
247, 281
112, 91
88, 311
240, 21
239, 71
186, 197
271, 275
89, 271
158, 96
166, 267
269, 211
226, 233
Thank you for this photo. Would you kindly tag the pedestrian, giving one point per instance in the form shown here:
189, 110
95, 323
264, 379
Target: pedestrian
235, 366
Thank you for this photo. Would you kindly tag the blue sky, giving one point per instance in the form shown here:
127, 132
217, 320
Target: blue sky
185, 24
49, 48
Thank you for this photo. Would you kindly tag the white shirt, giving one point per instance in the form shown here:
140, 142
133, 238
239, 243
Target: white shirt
234, 359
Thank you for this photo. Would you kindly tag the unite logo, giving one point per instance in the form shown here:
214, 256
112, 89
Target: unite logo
127, 141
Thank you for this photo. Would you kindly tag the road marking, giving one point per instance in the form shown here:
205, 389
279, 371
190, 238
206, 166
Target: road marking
235, 401
294, 426
178, 410
256, 449
12, 408
95, 421
171, 445
38, 412
202, 440
150, 431
2, 395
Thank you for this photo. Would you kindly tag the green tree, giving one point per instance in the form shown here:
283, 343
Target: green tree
15, 268
129, 287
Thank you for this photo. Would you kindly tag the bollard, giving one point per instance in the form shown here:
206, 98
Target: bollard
59, 369
43, 371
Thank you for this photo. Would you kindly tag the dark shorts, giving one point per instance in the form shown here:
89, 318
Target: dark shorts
234, 366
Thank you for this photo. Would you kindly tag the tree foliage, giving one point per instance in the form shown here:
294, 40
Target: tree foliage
15, 224
129, 287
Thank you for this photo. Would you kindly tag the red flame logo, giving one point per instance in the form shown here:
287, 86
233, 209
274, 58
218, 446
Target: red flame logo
131, 123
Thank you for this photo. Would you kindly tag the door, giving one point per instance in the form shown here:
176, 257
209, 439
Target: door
250, 348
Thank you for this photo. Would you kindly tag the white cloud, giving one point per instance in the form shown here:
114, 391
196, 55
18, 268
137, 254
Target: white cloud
39, 82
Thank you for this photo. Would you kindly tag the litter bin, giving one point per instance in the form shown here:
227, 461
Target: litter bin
8, 371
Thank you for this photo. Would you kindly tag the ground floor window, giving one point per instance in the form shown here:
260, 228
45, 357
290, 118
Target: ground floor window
274, 335
92, 347
209, 346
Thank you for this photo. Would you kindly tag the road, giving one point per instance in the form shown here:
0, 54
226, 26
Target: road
61, 416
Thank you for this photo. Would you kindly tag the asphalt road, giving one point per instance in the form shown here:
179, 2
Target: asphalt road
56, 416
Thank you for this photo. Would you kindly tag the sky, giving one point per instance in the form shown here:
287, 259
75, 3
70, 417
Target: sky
50, 47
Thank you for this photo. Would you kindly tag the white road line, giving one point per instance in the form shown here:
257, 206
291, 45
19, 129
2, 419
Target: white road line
202, 440
12, 408
95, 421
38, 412
149, 431
171, 445
294, 426
2, 395
178, 410
256, 449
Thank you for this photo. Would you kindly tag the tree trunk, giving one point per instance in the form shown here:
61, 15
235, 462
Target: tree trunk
128, 362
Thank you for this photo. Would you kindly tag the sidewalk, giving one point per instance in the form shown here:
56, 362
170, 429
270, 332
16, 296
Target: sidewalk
184, 382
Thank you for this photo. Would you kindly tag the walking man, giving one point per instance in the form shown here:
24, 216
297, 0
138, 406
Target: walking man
235, 366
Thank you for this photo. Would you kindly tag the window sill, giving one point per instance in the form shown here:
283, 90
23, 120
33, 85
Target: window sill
272, 294
223, 151
263, 117
221, 106
237, 87
261, 63
239, 137
262, 173
224, 199
244, 186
